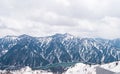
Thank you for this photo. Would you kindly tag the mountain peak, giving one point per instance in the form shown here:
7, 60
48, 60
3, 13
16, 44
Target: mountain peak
67, 34
62, 35
25, 36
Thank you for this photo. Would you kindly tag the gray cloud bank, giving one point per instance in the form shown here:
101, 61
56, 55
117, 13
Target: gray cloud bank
84, 18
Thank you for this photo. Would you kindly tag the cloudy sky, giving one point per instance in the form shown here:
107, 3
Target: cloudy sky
84, 18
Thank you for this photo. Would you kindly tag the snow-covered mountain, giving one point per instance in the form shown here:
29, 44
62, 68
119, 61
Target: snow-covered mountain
24, 50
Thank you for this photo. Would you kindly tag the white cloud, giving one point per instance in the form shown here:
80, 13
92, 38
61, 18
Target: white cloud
85, 18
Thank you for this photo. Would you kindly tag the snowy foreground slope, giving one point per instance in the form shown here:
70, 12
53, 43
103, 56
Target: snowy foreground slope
79, 68
111, 68
26, 70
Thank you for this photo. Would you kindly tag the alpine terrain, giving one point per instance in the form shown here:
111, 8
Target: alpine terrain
61, 50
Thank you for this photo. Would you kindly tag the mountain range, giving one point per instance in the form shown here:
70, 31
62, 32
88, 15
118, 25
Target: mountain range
36, 52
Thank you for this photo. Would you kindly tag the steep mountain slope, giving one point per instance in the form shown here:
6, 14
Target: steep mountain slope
35, 52
7, 43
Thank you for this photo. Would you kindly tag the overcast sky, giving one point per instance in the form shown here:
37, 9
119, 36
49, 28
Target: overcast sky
84, 18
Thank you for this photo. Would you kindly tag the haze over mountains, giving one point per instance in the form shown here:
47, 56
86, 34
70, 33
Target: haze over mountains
36, 52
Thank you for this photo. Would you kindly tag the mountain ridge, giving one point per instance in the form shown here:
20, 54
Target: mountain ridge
25, 50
